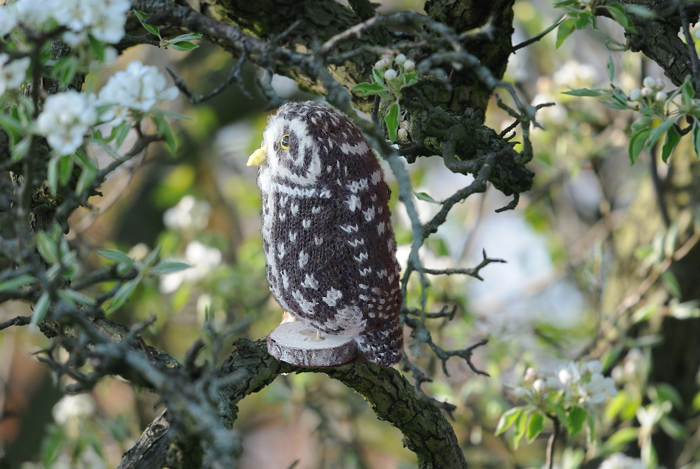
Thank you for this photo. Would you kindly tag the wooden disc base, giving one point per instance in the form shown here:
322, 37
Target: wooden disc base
296, 343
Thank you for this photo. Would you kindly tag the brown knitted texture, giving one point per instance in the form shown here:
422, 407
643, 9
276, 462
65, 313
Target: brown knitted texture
327, 236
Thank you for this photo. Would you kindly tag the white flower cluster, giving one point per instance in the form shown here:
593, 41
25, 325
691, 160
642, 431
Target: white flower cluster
188, 215
203, 260
138, 88
620, 461
12, 73
67, 116
104, 19
580, 383
71, 410
651, 86
401, 61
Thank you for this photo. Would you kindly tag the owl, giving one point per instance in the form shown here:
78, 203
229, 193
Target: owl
328, 242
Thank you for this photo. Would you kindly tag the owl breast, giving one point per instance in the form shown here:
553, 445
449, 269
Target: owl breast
329, 246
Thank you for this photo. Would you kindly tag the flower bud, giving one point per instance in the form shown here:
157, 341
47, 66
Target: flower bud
409, 65
649, 82
382, 63
538, 385
400, 59
390, 74
660, 84
661, 96
646, 91
635, 94
530, 374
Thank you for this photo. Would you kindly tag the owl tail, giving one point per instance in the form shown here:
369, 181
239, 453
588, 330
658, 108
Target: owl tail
382, 347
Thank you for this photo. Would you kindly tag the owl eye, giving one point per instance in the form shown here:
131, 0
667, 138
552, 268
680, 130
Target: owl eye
284, 142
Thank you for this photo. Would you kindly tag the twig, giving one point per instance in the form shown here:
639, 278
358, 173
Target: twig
473, 272
540, 35
18, 321
552, 442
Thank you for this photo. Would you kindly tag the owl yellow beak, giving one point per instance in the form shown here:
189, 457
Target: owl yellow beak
257, 158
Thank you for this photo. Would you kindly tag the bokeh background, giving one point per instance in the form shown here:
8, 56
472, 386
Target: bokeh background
202, 206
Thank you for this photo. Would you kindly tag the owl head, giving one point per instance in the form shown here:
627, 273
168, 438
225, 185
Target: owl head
300, 140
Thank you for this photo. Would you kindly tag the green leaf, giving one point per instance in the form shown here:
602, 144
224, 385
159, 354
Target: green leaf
40, 309
392, 121
535, 426
97, 47
77, 296
166, 131
620, 438
618, 13
19, 281
696, 137
168, 267
610, 68
672, 139
565, 29
562, 415
425, 197
12, 126
671, 283
520, 429
641, 11
687, 91
152, 256
123, 294
82, 159
584, 19
369, 88
21, 148
120, 133
116, 256
65, 169
637, 143
47, 247
186, 37
591, 427
659, 131
586, 92
52, 174
183, 46
378, 76
577, 417
615, 46
673, 429
149, 27
665, 392
507, 419
87, 176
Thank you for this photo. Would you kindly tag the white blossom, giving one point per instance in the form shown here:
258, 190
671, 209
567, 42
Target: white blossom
390, 74
33, 14
570, 374
409, 65
575, 75
649, 82
635, 94
71, 410
620, 461
598, 389
188, 215
538, 385
593, 366
400, 59
661, 96
201, 257
12, 73
138, 88
646, 91
660, 84
66, 118
8, 19
104, 19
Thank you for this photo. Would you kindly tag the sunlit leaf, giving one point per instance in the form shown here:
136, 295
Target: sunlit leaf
168, 267
116, 256
577, 417
565, 29
16, 282
535, 426
425, 197
659, 131
40, 309
392, 121
637, 143
620, 15
183, 46
586, 92
507, 419
123, 294
368, 88
672, 139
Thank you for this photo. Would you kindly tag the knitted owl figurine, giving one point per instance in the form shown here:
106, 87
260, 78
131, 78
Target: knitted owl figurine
327, 237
